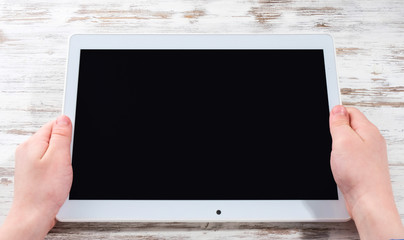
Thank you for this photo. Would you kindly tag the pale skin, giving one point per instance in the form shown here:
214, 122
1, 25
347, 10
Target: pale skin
42, 181
43, 177
360, 168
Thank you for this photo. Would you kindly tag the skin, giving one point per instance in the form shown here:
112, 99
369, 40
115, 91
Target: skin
43, 177
360, 168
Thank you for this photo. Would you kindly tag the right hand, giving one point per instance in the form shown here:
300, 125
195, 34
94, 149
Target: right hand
360, 168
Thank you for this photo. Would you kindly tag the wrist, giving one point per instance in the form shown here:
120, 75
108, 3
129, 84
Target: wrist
22, 224
377, 217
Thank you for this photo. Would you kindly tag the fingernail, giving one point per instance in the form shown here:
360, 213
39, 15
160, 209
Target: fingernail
63, 120
339, 110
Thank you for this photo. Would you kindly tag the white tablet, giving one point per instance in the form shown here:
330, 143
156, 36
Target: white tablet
201, 128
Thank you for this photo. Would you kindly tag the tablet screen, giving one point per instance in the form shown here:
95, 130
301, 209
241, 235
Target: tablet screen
202, 125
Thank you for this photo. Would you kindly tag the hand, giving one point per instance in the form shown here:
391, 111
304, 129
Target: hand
43, 177
360, 168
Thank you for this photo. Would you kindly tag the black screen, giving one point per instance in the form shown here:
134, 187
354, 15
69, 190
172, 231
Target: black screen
202, 124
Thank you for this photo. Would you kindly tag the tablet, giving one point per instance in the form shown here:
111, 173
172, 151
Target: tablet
201, 127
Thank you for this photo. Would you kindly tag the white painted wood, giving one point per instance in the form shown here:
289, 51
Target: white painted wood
33, 49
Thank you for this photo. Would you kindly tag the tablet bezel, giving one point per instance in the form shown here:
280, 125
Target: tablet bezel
201, 210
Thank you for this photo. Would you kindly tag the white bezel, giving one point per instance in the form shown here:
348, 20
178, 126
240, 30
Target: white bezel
198, 210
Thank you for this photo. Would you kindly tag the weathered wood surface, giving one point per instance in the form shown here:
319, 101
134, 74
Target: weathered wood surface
369, 40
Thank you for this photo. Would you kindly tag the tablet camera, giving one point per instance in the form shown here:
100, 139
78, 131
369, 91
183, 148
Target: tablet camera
218, 212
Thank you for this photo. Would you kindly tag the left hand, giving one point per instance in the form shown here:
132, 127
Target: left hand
43, 177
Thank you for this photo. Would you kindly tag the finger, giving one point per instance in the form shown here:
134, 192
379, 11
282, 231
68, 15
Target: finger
361, 125
43, 134
339, 122
38, 143
61, 136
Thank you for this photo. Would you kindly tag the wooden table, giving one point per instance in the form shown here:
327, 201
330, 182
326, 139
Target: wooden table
369, 40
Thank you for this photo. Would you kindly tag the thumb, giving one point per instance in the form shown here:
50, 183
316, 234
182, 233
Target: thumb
61, 135
339, 122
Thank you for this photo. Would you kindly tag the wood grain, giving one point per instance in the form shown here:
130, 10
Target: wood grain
33, 49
